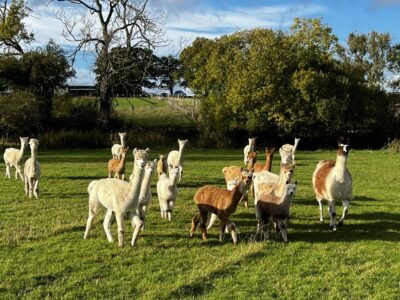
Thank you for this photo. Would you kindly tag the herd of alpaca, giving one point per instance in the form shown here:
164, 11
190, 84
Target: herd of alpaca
273, 193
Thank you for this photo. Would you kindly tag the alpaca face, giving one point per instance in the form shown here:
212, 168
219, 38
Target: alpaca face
288, 171
140, 157
291, 188
33, 143
247, 177
122, 135
24, 141
269, 152
182, 143
251, 159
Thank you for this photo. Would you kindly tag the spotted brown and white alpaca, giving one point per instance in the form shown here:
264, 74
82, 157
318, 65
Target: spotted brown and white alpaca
162, 165
145, 191
13, 158
332, 181
249, 148
276, 208
221, 202
269, 154
118, 197
32, 171
287, 152
117, 166
175, 158
167, 191
116, 149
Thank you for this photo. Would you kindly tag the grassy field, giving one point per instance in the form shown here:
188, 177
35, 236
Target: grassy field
43, 254
151, 112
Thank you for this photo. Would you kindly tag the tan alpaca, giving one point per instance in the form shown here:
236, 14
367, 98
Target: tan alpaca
162, 165
332, 181
221, 202
269, 154
117, 166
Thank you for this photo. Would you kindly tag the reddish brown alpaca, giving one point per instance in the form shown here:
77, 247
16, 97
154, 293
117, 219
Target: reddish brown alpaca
117, 166
222, 202
269, 154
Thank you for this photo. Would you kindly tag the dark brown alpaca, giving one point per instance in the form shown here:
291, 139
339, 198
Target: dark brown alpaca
222, 202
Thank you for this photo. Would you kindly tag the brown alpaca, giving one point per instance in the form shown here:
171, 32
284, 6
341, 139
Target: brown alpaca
117, 166
222, 202
162, 165
269, 154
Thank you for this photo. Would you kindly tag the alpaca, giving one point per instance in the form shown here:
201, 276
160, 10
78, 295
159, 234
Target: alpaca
332, 181
287, 152
277, 208
13, 158
175, 158
285, 174
118, 197
145, 192
32, 171
167, 191
221, 202
116, 149
162, 165
117, 166
269, 154
249, 148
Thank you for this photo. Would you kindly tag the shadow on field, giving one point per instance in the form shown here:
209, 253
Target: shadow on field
203, 284
81, 177
196, 184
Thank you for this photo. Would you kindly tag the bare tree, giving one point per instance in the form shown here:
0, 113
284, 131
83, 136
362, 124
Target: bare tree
107, 24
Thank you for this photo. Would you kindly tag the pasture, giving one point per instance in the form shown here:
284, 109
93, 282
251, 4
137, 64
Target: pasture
43, 254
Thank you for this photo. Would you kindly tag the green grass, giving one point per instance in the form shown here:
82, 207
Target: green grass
150, 112
43, 254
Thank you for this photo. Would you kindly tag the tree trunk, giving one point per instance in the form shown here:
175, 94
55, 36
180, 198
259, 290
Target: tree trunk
104, 116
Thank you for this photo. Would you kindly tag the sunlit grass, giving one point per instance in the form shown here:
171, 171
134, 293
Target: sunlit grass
43, 254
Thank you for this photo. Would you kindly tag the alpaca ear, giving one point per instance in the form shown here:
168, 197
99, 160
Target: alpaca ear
340, 140
155, 161
127, 148
287, 182
147, 149
134, 150
295, 183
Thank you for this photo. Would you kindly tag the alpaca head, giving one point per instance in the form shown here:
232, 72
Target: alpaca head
343, 147
252, 142
269, 152
150, 167
140, 157
246, 177
291, 188
182, 143
24, 141
286, 153
175, 171
251, 159
124, 151
288, 170
33, 143
122, 135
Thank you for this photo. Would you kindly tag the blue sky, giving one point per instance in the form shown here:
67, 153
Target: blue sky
187, 19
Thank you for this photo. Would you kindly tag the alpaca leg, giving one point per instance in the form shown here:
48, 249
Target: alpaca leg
203, 221
18, 171
8, 170
123, 176
138, 226
26, 185
30, 180
332, 214
170, 208
93, 209
222, 228
233, 229
121, 228
195, 221
282, 228
36, 188
107, 225
346, 204
321, 219
212, 219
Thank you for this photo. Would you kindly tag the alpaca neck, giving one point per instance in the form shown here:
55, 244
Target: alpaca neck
282, 178
268, 163
146, 182
285, 200
122, 141
121, 164
33, 154
21, 151
236, 195
339, 170
136, 183
180, 153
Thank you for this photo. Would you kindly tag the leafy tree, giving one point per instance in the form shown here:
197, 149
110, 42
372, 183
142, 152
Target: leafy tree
12, 29
168, 71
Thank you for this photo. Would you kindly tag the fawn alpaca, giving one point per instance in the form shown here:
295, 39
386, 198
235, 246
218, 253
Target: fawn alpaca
221, 202
332, 181
117, 166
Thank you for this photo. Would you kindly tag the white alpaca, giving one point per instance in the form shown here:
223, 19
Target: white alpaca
332, 181
175, 158
249, 148
13, 158
145, 192
118, 197
32, 171
287, 152
167, 191
116, 149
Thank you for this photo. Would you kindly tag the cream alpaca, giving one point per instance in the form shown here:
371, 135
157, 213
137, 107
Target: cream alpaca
249, 148
13, 158
287, 152
119, 197
167, 191
175, 158
332, 181
145, 192
116, 149
32, 171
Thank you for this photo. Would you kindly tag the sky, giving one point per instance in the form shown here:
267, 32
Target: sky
187, 19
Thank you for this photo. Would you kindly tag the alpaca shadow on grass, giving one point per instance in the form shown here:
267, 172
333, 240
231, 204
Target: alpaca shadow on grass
374, 226
194, 184
204, 283
82, 177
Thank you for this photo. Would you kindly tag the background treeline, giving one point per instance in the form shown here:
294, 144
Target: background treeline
297, 83
269, 83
